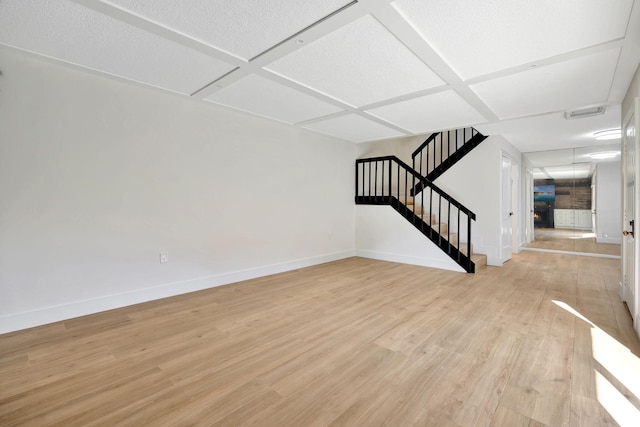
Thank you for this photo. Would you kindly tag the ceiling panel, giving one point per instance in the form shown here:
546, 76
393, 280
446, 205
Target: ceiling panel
75, 34
569, 84
264, 97
243, 28
359, 64
553, 131
569, 156
353, 128
443, 110
570, 171
481, 37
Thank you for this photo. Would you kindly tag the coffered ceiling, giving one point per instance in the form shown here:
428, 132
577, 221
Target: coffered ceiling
360, 70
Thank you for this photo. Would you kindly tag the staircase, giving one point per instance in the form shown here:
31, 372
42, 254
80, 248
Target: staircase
442, 150
411, 192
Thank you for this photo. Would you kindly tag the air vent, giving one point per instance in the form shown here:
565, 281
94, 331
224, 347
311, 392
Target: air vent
585, 112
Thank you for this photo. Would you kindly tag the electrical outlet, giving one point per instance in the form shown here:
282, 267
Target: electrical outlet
164, 257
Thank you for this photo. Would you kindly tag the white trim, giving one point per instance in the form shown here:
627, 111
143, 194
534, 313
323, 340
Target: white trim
616, 240
41, 316
555, 251
407, 259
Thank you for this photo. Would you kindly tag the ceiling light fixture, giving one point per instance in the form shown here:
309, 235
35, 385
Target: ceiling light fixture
607, 134
604, 155
585, 112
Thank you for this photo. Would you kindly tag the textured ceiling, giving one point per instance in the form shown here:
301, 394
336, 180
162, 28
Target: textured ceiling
360, 70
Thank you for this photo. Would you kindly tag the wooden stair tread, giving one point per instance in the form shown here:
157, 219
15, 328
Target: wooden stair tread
480, 261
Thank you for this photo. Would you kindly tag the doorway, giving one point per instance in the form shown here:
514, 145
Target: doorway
576, 200
630, 292
507, 210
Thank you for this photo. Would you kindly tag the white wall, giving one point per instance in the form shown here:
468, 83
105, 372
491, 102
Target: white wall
476, 182
97, 176
402, 148
608, 181
382, 233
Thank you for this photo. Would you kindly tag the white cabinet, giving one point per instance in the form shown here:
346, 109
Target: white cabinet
572, 218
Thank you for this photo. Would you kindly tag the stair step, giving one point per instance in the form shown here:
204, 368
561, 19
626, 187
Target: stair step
442, 228
479, 260
407, 200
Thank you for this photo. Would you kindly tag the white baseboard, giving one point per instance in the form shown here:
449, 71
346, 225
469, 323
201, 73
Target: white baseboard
617, 240
42, 316
555, 251
407, 259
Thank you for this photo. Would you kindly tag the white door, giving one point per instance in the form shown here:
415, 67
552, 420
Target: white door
630, 292
507, 211
529, 208
593, 209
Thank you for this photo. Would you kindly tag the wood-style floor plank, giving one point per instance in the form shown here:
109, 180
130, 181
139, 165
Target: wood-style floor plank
356, 342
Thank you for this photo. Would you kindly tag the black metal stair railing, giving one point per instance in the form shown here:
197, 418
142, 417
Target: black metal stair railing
446, 222
442, 150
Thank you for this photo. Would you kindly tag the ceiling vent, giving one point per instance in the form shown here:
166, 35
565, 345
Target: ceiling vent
585, 112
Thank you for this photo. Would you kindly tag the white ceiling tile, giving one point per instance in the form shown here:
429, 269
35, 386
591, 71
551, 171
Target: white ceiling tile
353, 128
569, 84
359, 64
264, 97
553, 131
67, 31
244, 28
443, 110
479, 37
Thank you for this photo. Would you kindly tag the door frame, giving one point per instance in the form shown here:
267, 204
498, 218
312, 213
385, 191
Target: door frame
506, 223
628, 282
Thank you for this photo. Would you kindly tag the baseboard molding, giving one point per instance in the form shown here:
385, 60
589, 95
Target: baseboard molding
407, 259
45, 315
554, 251
615, 240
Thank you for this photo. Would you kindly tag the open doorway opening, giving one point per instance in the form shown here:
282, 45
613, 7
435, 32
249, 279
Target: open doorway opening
576, 200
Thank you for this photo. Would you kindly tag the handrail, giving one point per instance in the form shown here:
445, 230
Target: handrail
442, 149
424, 144
387, 180
426, 182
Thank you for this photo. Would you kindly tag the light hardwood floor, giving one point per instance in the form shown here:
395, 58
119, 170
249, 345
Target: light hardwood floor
542, 340
560, 239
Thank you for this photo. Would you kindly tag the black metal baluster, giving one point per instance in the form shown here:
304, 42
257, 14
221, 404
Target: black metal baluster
390, 179
375, 181
422, 202
441, 151
427, 164
369, 179
430, 211
440, 217
459, 236
449, 224
398, 185
405, 186
468, 241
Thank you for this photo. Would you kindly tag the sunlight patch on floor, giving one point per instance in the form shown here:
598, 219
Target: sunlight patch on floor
583, 236
620, 363
615, 403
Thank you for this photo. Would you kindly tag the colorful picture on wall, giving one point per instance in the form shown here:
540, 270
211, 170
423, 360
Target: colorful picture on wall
544, 193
